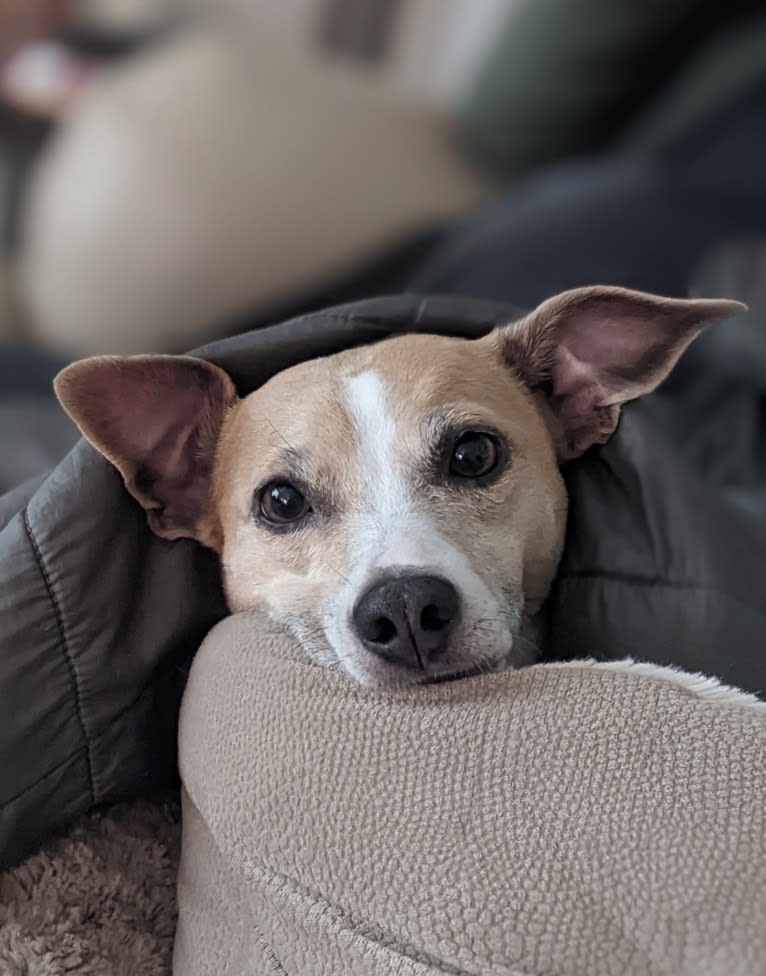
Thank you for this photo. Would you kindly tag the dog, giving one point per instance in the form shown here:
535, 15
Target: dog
398, 507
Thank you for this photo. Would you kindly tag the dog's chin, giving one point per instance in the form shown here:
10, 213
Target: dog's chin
458, 675
387, 677
378, 674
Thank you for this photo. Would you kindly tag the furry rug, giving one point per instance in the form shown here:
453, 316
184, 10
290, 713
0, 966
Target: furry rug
98, 900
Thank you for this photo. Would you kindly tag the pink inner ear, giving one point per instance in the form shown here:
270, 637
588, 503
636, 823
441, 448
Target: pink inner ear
169, 425
605, 346
159, 424
600, 362
156, 418
621, 357
581, 403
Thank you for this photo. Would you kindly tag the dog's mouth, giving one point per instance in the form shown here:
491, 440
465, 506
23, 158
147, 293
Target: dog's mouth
507, 662
401, 678
441, 679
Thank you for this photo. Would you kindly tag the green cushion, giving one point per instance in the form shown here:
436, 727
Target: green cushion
726, 65
568, 77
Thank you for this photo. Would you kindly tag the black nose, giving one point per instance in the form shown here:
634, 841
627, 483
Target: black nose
408, 619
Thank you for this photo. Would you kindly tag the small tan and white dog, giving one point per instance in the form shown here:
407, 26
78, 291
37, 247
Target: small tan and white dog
399, 506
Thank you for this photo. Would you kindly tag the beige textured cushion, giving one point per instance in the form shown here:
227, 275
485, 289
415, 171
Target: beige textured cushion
576, 819
217, 173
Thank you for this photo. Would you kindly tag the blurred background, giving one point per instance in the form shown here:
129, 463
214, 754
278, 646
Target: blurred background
175, 171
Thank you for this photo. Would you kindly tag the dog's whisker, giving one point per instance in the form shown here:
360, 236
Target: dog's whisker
530, 645
337, 571
279, 434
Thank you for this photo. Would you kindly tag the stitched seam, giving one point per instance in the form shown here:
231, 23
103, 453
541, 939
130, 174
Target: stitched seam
269, 951
64, 648
84, 748
635, 579
41, 779
370, 934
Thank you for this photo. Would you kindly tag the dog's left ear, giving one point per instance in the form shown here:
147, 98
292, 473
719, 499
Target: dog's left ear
157, 420
590, 350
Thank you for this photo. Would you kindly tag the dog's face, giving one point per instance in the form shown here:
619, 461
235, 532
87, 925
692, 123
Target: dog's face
398, 507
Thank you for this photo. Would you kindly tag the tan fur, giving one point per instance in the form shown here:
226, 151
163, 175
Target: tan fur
511, 532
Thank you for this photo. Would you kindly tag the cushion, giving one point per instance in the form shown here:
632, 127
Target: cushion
575, 818
568, 78
217, 172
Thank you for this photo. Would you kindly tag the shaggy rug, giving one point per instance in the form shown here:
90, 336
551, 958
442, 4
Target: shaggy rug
100, 900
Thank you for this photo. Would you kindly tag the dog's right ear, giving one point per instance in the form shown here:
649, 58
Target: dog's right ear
590, 350
157, 419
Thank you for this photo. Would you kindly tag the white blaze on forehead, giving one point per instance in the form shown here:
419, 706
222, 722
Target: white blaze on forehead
391, 528
377, 467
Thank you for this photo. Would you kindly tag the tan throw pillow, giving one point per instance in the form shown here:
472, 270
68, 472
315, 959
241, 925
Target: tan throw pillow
569, 819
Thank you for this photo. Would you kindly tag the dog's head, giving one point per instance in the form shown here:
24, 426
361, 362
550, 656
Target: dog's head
398, 506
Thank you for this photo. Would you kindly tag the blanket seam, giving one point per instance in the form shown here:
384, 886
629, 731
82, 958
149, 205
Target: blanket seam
83, 748
65, 649
636, 579
41, 779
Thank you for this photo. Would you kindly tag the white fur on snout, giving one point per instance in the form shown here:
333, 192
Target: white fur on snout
391, 530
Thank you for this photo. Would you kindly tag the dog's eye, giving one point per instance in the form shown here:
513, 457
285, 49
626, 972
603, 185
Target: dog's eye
474, 455
280, 503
